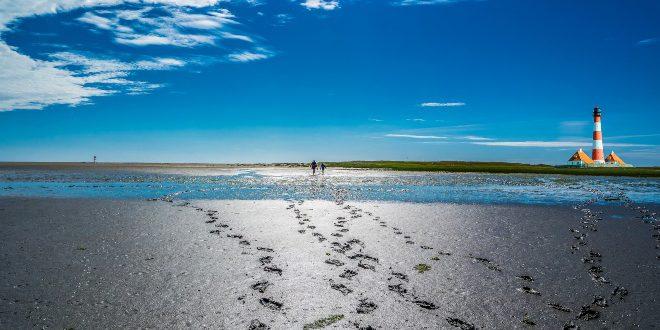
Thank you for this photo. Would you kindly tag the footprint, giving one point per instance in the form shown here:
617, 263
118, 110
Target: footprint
343, 230
560, 307
334, 262
210, 221
319, 236
588, 313
348, 274
260, 248
215, 231
341, 248
302, 231
261, 286
364, 265
398, 288
244, 242
619, 292
526, 278
491, 265
341, 288
265, 260
366, 307
235, 236
527, 320
363, 256
599, 301
458, 323
425, 304
336, 235
426, 247
400, 276
270, 303
273, 269
529, 290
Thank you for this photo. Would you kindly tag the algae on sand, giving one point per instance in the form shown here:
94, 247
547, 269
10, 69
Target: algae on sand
420, 268
324, 322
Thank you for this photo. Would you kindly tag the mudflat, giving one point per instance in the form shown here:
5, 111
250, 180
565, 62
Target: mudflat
103, 263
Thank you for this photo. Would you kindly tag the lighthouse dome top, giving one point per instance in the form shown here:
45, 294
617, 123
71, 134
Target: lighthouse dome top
596, 110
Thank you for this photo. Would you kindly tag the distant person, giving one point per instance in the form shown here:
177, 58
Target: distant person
322, 168
314, 167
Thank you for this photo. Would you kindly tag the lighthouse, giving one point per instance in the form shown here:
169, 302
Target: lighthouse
581, 159
597, 152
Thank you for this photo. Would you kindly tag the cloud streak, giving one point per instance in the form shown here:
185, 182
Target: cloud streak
424, 2
553, 144
441, 104
646, 42
412, 136
249, 56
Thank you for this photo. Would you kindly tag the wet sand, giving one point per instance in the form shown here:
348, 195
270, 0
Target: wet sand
94, 263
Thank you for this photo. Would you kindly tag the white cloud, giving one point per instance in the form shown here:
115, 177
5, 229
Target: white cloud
416, 119
98, 21
620, 137
553, 144
229, 35
71, 78
320, 4
411, 136
375, 119
475, 138
282, 19
647, 42
15, 9
248, 56
163, 29
574, 123
26, 83
439, 104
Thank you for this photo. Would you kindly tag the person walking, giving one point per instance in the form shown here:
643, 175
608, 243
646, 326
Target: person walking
313, 167
322, 168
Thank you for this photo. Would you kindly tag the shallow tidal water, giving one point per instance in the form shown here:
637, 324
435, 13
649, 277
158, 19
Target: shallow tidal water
296, 184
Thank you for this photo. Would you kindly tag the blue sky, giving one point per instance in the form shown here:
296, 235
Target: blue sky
271, 81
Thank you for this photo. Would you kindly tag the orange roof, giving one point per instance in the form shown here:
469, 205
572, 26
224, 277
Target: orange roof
580, 155
612, 157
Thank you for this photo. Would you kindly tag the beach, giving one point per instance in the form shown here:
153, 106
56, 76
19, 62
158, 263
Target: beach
306, 263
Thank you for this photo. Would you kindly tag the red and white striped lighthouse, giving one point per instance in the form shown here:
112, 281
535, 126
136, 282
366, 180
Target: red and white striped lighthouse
597, 152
